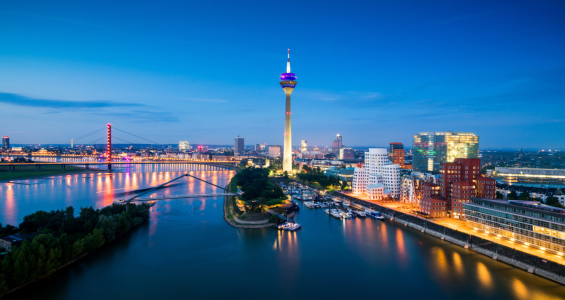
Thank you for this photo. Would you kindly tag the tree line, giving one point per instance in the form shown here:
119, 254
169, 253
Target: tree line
60, 237
317, 175
257, 189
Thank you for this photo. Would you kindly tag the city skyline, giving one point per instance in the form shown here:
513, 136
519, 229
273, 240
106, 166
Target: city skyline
493, 70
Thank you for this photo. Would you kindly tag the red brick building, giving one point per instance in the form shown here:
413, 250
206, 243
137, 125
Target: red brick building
457, 182
434, 207
397, 154
486, 188
429, 189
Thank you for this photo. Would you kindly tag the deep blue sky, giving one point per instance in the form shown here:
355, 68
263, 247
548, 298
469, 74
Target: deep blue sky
206, 71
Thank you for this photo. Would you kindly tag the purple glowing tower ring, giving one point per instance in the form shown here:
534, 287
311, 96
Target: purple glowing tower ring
288, 80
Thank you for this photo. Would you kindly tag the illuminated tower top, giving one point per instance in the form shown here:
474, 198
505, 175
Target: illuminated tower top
288, 80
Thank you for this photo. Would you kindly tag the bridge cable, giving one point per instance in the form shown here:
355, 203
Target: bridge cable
89, 134
128, 142
205, 181
136, 136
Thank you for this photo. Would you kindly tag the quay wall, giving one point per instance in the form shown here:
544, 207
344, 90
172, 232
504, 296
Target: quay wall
530, 263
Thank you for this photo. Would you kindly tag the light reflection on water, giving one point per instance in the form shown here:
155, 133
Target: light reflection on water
187, 246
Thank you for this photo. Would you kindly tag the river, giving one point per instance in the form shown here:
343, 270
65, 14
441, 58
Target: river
188, 251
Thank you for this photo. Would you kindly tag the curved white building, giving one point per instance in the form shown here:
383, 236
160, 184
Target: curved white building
377, 169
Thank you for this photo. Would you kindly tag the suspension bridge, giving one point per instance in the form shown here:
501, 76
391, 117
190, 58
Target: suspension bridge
107, 158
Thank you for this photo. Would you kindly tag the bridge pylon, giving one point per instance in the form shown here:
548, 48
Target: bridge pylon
109, 147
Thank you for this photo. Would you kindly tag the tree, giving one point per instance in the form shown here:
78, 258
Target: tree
553, 201
78, 247
499, 195
512, 196
485, 168
344, 185
524, 196
285, 175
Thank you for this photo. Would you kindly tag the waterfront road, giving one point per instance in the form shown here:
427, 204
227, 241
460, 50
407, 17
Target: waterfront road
461, 225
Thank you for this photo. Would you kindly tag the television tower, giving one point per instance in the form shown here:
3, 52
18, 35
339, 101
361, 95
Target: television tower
288, 82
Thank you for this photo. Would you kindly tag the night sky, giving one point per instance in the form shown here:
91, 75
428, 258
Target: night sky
206, 71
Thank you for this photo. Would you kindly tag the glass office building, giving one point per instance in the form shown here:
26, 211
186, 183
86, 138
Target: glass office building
524, 222
432, 148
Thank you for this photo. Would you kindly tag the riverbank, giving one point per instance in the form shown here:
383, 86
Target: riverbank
59, 239
232, 220
533, 264
28, 172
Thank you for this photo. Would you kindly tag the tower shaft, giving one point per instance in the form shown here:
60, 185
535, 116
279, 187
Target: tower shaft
287, 156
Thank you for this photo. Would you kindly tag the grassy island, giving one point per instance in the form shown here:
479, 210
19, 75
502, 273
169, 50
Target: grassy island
59, 238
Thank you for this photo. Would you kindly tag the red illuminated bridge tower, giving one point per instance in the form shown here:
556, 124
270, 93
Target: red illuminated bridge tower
109, 147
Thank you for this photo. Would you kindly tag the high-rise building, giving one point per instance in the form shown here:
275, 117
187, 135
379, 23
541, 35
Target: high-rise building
337, 144
346, 153
72, 143
303, 146
288, 83
460, 180
257, 148
377, 172
184, 146
433, 148
275, 151
397, 154
238, 146
6, 143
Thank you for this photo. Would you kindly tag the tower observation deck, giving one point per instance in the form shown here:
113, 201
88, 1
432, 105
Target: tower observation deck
288, 82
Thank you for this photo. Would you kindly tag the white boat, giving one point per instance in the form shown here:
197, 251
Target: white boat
345, 204
292, 226
334, 213
346, 215
323, 205
310, 204
361, 214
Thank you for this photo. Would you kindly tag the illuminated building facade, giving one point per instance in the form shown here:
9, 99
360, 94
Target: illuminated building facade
184, 146
377, 169
346, 153
337, 144
460, 180
275, 151
433, 148
304, 146
288, 83
531, 176
528, 223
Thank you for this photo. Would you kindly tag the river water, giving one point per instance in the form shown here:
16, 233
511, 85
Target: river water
188, 251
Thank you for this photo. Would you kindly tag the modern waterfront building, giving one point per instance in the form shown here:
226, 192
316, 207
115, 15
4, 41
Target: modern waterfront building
288, 83
238, 146
303, 146
346, 153
460, 180
337, 144
344, 174
530, 176
275, 151
6, 143
525, 222
377, 169
397, 154
412, 186
433, 148
184, 146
